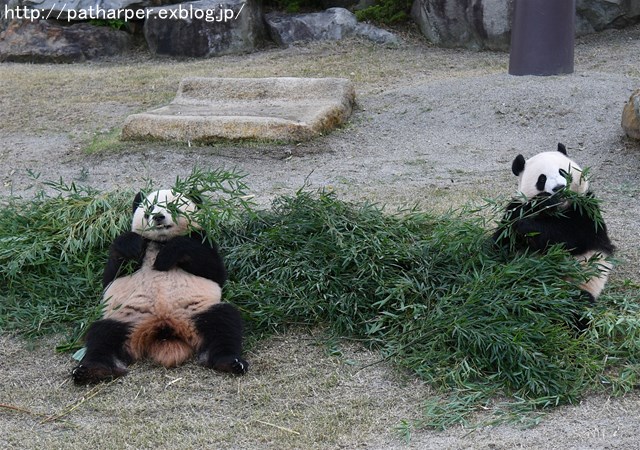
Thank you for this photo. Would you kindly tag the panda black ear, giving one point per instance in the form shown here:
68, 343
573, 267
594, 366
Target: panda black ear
518, 165
562, 149
196, 198
136, 201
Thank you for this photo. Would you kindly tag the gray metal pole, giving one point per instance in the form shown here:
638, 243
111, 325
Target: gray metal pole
542, 37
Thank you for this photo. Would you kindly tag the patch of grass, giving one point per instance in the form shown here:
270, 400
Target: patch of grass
386, 12
52, 252
116, 24
428, 291
105, 141
295, 6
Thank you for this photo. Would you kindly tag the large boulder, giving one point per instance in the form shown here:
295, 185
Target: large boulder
89, 9
596, 15
477, 24
45, 41
205, 28
375, 34
6, 6
333, 24
631, 116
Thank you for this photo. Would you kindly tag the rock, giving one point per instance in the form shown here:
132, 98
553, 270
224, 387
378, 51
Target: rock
333, 24
281, 109
73, 9
476, 24
597, 15
631, 116
46, 41
5, 6
377, 35
205, 28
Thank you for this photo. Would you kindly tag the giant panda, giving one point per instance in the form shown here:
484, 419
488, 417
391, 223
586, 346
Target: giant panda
542, 216
162, 297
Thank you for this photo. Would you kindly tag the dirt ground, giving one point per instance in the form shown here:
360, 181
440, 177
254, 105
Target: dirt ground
433, 126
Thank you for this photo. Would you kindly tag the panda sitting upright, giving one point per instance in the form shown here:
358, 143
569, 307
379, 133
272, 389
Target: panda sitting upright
544, 217
162, 296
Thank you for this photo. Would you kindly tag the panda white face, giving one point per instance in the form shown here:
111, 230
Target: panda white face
548, 172
162, 215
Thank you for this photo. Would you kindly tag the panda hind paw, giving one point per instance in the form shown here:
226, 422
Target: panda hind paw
94, 373
239, 366
228, 364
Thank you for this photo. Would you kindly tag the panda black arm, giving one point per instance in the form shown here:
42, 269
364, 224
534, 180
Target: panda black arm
505, 235
541, 232
127, 247
194, 254
572, 228
579, 232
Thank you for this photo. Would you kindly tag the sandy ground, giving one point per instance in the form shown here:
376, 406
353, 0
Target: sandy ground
436, 127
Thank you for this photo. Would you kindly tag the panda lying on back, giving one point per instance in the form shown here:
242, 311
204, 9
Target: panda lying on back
543, 217
162, 297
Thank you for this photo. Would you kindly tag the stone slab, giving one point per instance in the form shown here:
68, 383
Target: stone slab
212, 109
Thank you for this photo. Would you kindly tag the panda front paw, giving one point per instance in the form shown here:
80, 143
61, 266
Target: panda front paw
129, 246
165, 260
92, 373
526, 228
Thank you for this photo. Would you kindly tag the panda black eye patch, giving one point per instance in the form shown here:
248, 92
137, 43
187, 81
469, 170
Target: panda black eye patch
542, 180
563, 173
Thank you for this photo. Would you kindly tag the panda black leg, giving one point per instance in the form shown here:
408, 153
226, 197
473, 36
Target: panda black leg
105, 356
580, 322
221, 330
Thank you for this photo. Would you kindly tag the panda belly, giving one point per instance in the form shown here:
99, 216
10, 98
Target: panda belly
160, 306
148, 292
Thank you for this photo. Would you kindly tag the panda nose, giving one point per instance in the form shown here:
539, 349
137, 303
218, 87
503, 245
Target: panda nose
158, 218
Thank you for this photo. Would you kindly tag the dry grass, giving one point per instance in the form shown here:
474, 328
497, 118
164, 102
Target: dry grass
296, 396
66, 96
